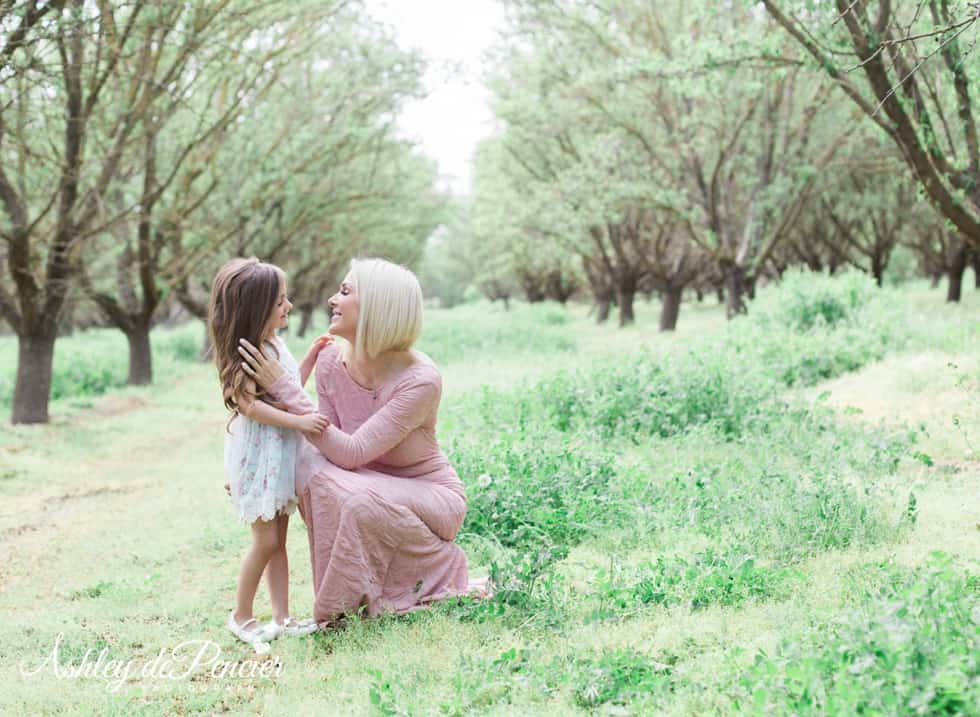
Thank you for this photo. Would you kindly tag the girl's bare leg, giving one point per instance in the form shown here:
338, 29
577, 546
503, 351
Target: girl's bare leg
265, 543
277, 573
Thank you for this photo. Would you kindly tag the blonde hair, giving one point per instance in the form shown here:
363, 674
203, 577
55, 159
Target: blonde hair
389, 300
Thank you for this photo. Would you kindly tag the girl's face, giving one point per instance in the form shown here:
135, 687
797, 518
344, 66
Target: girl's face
343, 310
279, 318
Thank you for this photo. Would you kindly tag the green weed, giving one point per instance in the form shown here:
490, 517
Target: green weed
708, 578
914, 648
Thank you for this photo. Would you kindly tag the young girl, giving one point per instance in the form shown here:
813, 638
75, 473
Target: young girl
248, 300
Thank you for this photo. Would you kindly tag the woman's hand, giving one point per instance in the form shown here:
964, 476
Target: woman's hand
312, 424
263, 370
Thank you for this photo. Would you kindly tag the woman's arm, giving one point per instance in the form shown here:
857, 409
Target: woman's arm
388, 427
262, 412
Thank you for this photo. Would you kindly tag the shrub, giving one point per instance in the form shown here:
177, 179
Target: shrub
708, 578
648, 396
94, 361
780, 513
913, 648
535, 490
809, 329
538, 471
181, 344
804, 300
89, 364
479, 331
618, 677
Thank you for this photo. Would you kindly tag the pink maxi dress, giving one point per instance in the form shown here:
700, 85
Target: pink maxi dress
380, 500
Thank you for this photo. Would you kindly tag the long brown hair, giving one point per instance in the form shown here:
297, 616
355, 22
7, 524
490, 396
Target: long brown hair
243, 295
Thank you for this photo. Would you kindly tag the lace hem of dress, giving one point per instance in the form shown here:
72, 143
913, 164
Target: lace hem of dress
268, 510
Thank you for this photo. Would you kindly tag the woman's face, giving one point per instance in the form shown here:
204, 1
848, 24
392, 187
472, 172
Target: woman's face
343, 310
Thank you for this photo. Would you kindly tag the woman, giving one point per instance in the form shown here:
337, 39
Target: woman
381, 502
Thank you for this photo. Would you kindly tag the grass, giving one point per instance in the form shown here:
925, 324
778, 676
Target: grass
718, 566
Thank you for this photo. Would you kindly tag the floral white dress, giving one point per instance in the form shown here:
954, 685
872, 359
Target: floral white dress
260, 460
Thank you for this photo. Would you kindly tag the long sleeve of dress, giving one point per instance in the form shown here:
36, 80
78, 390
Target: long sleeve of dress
295, 399
404, 412
291, 395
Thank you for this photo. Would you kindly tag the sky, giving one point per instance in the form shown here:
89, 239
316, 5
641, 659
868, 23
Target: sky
453, 34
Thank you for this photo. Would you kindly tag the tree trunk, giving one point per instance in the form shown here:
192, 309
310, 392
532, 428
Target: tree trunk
603, 305
559, 287
934, 281
66, 319
140, 356
670, 307
305, 319
878, 269
976, 269
603, 297
735, 285
533, 287
954, 272
35, 356
625, 294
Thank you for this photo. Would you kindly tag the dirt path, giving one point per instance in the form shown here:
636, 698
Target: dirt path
937, 396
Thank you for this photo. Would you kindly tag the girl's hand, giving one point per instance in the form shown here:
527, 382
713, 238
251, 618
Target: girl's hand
258, 366
308, 363
312, 424
320, 343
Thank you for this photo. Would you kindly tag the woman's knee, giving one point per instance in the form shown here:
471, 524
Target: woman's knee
451, 521
325, 487
360, 509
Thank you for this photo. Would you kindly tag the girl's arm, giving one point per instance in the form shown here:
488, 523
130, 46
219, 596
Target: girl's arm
309, 361
264, 413
305, 369
270, 375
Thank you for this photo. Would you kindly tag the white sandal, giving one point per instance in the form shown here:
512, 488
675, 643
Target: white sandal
291, 627
255, 637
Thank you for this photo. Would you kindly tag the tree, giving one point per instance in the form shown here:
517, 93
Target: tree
867, 212
941, 251
613, 112
925, 104
165, 179
186, 131
60, 64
